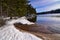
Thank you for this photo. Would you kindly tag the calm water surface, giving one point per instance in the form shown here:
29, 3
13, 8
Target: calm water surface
50, 20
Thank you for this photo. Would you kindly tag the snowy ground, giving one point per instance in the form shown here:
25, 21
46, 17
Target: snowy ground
9, 32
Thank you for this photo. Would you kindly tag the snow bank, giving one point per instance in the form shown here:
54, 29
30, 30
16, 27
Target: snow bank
9, 32
22, 20
6, 18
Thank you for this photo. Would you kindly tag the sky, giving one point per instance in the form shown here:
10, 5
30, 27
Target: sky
45, 5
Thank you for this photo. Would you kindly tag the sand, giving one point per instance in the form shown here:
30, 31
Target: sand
38, 30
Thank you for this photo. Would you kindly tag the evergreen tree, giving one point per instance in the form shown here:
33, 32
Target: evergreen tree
14, 7
30, 9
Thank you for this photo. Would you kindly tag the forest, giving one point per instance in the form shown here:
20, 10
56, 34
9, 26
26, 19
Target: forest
12, 8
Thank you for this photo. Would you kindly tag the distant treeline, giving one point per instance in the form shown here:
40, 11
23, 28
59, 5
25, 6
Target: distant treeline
50, 12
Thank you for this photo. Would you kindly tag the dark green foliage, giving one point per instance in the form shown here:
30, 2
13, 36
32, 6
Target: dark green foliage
33, 19
30, 9
14, 8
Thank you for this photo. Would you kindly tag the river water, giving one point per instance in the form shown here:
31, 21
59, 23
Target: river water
52, 21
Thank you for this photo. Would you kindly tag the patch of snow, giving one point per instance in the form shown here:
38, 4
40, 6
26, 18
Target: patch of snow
22, 20
6, 18
9, 32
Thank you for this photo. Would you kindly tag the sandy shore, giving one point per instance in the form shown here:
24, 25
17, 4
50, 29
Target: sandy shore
38, 30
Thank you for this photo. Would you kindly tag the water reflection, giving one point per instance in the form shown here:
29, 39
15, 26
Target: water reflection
48, 18
52, 21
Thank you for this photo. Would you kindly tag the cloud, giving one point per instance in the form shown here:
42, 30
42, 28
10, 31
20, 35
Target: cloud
44, 5
41, 2
48, 8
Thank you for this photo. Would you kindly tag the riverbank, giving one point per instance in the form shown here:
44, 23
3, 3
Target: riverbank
38, 30
25, 26
9, 32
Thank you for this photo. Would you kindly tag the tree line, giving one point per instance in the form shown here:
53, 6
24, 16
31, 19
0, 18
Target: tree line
50, 12
16, 8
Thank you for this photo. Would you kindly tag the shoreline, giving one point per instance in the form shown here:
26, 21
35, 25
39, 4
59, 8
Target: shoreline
33, 28
37, 30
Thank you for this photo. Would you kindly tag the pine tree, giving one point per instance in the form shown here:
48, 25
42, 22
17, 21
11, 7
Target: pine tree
14, 7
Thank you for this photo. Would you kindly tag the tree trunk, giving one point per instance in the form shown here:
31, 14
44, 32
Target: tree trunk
1, 10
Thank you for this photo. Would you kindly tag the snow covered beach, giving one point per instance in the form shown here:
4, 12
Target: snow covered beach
22, 29
39, 30
9, 32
